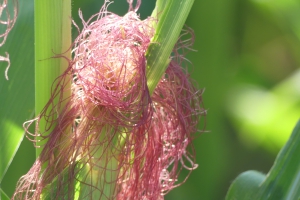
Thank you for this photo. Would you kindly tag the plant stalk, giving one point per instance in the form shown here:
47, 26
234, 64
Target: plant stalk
52, 20
171, 17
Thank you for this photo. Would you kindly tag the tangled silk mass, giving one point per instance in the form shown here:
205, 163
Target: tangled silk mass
112, 139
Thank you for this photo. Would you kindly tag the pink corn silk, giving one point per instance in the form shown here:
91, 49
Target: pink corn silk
111, 136
164, 141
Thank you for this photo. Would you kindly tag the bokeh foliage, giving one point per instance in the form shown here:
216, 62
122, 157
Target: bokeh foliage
247, 60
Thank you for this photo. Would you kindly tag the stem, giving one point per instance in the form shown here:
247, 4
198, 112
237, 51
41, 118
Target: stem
171, 17
52, 36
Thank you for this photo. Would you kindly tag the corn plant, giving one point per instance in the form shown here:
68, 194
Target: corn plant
115, 112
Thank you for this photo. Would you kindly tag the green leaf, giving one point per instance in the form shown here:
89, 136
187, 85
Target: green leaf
3, 196
9, 144
282, 181
245, 186
17, 93
170, 23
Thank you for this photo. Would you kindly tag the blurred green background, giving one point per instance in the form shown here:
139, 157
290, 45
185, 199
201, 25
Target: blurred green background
247, 60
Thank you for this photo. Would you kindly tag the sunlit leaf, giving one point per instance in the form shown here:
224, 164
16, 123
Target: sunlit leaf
9, 143
258, 113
